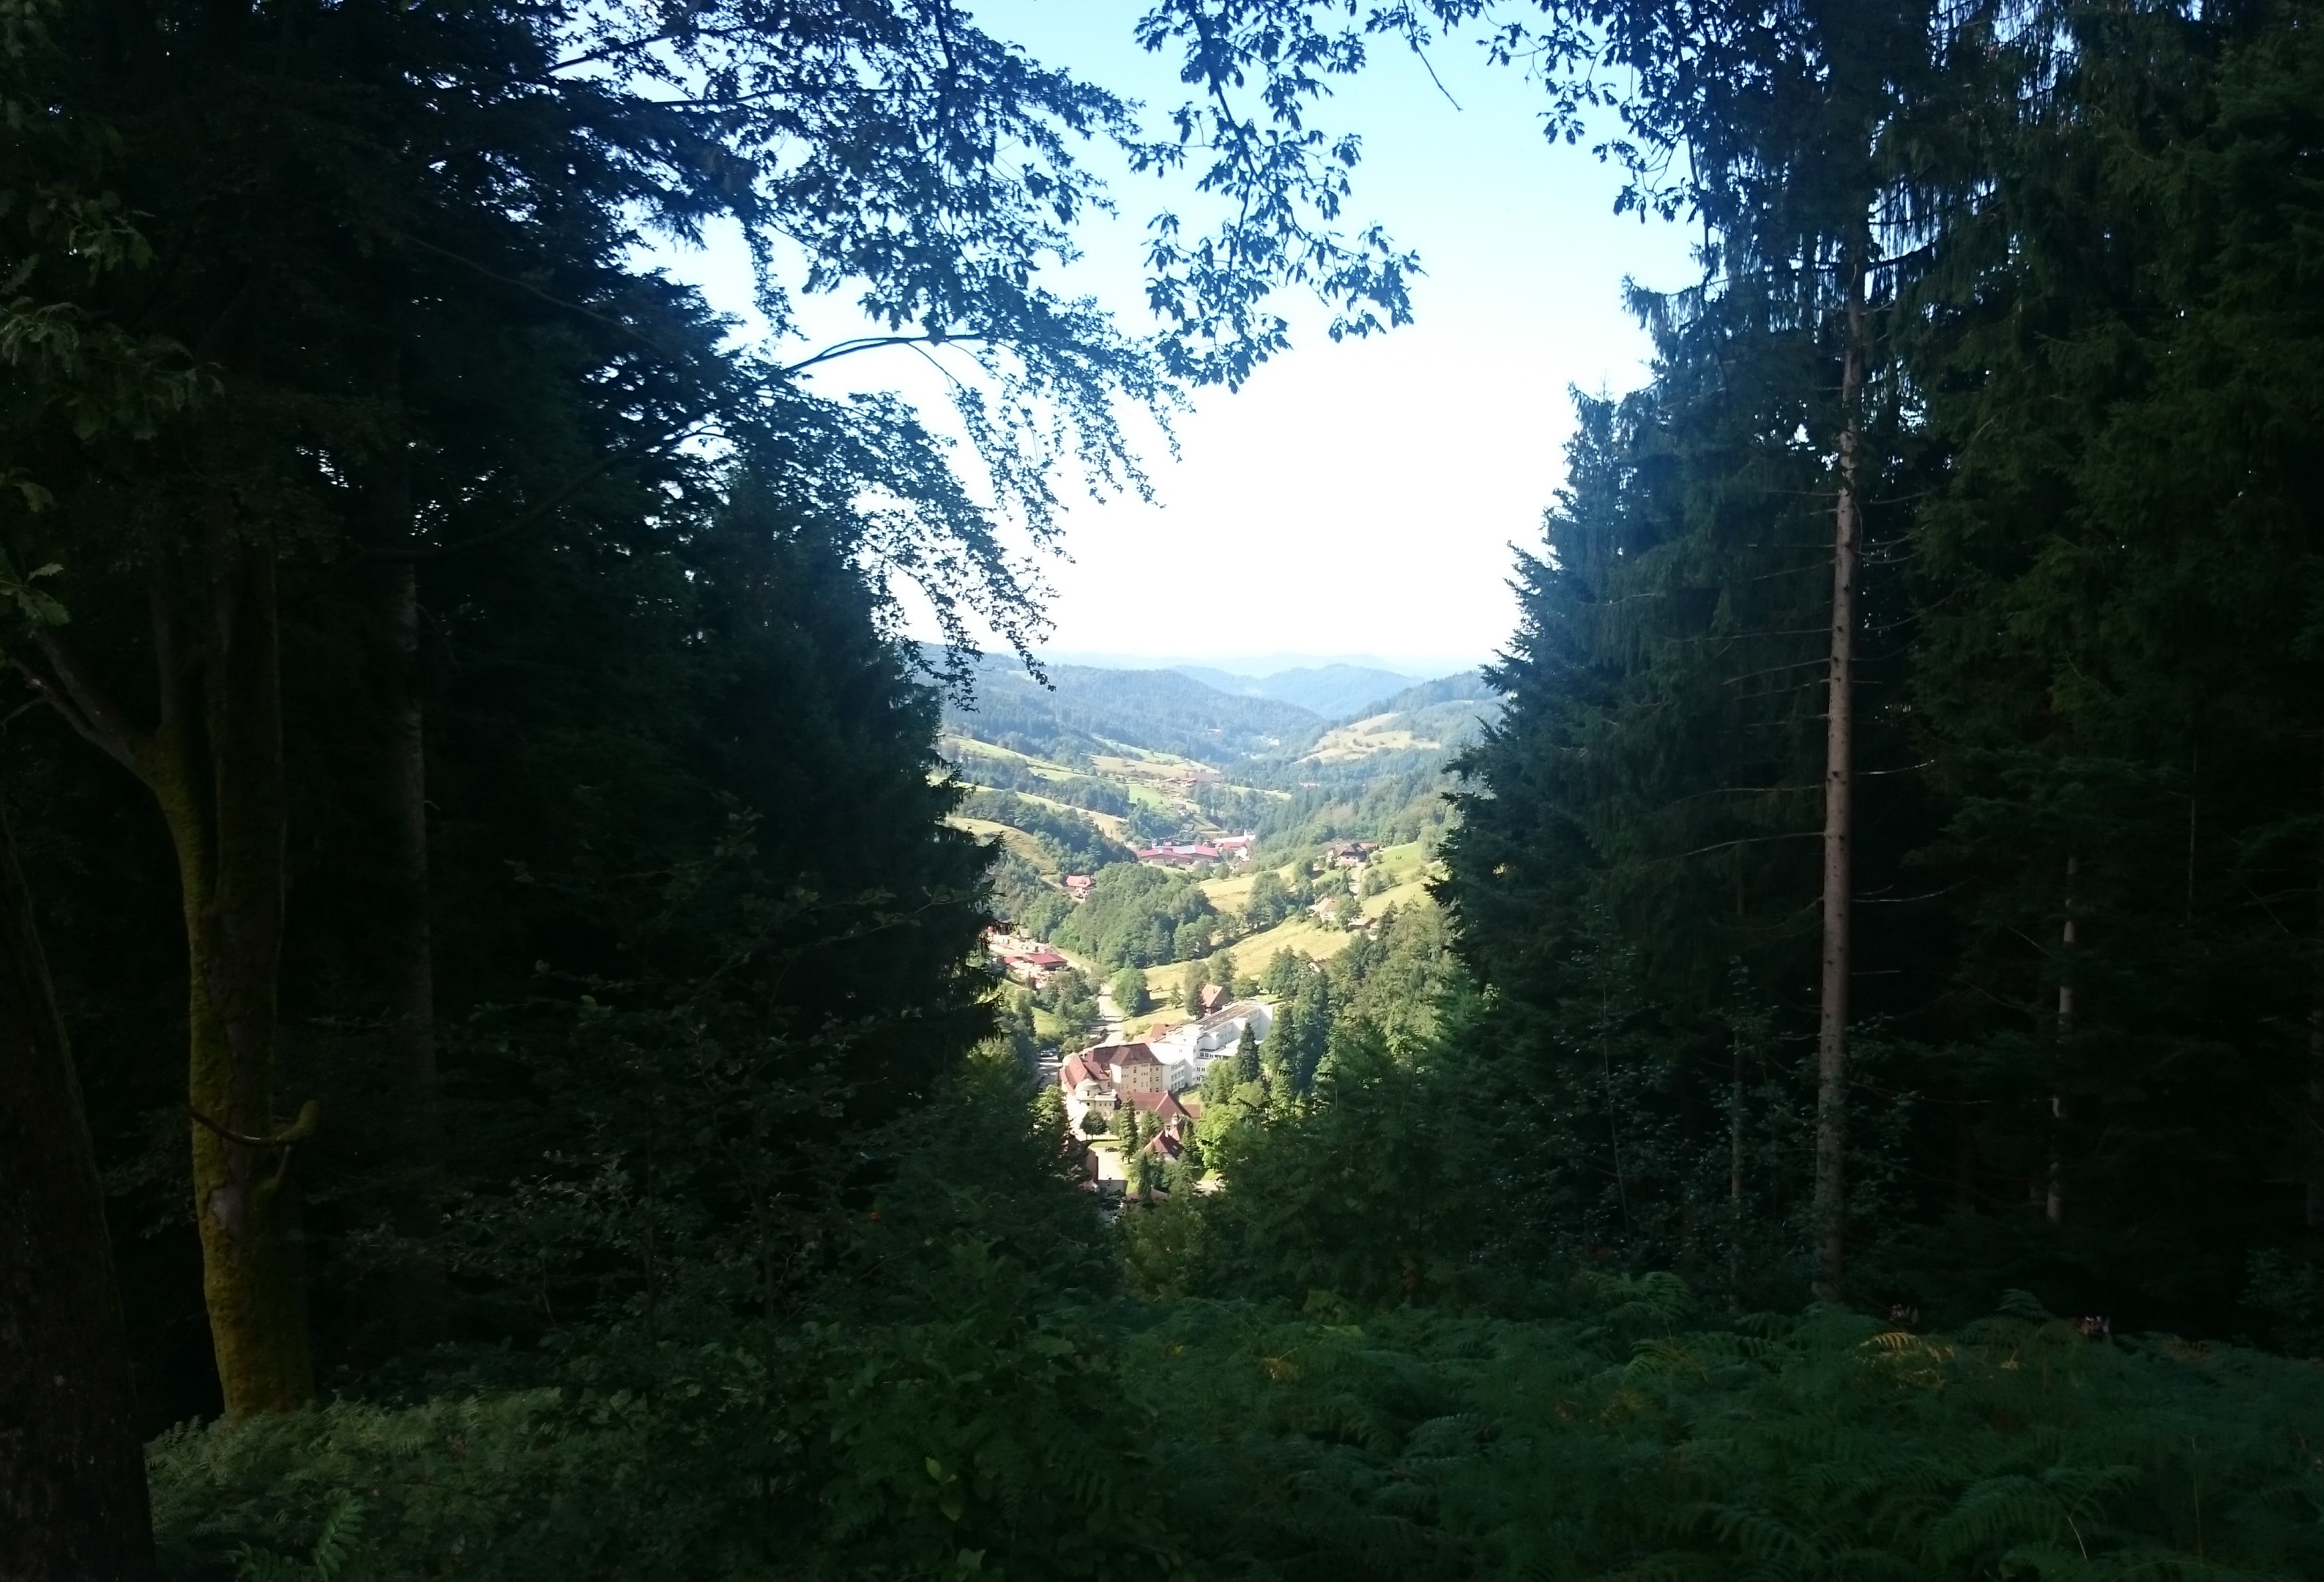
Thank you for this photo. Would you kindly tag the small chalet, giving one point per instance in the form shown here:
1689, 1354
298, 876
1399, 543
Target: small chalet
1079, 885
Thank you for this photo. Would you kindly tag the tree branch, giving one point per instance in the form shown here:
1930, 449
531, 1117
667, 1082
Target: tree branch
565, 492
81, 703
310, 1114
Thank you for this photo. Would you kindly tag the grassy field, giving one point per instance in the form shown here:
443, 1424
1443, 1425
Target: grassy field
1396, 864
1382, 732
1413, 891
1113, 824
1015, 839
1229, 894
1302, 934
970, 748
1134, 1027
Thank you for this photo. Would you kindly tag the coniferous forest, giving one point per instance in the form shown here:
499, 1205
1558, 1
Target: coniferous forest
498, 1075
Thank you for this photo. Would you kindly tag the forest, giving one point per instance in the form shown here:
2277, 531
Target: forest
498, 1075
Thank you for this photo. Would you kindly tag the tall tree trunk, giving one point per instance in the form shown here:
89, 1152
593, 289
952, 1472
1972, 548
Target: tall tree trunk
412, 994
2316, 1043
72, 1474
1735, 1169
1839, 814
216, 767
213, 765
2053, 1197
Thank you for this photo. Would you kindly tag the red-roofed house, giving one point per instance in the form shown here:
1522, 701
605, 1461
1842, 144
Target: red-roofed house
1169, 1115
1106, 1075
1085, 1083
1172, 854
1034, 967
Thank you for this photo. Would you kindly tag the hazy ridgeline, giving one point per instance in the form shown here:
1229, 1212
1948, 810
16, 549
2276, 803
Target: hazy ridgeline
483, 927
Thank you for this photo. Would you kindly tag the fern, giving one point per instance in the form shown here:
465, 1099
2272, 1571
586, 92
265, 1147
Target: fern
328, 1561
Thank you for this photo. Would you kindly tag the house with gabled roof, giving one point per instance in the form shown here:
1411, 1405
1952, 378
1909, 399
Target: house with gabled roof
1104, 1076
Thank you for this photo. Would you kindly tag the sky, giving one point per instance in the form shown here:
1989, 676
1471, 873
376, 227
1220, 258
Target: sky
1358, 498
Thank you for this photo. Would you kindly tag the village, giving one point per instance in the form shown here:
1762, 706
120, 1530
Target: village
1143, 1096
1155, 1075
1133, 1102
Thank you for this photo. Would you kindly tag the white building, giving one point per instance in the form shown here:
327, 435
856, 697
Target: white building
1186, 1050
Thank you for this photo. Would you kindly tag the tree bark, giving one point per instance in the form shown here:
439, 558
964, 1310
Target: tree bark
412, 993
213, 765
2053, 1197
217, 772
1831, 1203
1735, 1169
2316, 1044
72, 1473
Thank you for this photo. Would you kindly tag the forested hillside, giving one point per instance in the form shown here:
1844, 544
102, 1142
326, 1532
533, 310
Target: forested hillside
1334, 691
1083, 711
500, 1076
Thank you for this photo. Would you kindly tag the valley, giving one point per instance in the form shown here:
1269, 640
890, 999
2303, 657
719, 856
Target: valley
1097, 778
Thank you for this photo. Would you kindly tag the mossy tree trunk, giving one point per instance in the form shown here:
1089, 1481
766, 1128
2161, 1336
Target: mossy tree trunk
72, 1474
214, 765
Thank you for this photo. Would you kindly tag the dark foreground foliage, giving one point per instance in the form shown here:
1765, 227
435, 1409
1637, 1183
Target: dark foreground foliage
981, 1405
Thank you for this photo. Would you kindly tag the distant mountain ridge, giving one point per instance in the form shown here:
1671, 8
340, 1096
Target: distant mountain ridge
1333, 691
1466, 687
1085, 708
1421, 724
1088, 710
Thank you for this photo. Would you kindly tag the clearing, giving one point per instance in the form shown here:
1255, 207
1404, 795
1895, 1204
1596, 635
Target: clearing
1014, 839
1381, 733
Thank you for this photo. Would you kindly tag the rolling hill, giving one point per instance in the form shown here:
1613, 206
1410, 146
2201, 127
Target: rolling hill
1334, 691
1435, 718
1086, 712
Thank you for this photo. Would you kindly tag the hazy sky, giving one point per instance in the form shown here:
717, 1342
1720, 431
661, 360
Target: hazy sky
1359, 498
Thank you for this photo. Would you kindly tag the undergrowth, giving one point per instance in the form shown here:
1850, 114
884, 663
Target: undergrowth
1236, 1440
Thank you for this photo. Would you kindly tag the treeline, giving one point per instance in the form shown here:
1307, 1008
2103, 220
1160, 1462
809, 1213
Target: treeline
1141, 916
465, 697
1077, 844
1077, 712
2045, 356
1080, 791
1364, 800
484, 889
